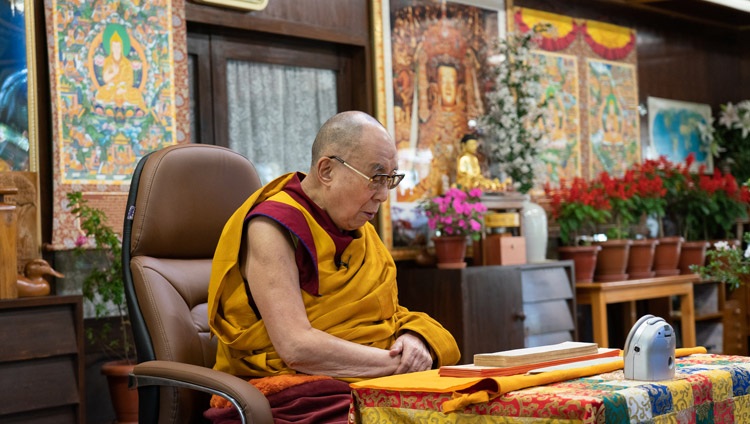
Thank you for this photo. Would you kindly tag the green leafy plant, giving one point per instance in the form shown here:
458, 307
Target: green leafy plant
456, 213
726, 263
103, 287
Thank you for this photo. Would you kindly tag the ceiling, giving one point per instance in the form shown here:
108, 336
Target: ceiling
703, 11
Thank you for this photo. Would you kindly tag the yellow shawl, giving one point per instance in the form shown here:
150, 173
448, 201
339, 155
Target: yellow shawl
358, 303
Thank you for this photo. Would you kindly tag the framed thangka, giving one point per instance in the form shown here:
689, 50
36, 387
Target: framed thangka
118, 80
562, 153
430, 82
114, 100
674, 132
613, 121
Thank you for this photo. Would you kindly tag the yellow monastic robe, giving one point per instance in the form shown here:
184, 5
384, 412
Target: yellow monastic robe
357, 302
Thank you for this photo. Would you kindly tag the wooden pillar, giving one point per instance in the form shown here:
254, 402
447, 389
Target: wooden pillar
8, 254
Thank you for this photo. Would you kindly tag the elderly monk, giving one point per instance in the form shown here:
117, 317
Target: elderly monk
303, 292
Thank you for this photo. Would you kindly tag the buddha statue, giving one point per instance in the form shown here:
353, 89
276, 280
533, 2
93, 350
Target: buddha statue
468, 172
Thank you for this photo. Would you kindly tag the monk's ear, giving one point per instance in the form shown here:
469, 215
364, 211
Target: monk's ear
324, 168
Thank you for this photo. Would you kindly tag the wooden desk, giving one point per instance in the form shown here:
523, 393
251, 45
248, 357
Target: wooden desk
599, 295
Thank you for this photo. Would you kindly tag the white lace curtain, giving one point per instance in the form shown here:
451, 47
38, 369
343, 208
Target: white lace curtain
275, 112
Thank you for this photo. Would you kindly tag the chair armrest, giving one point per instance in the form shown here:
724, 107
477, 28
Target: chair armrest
244, 396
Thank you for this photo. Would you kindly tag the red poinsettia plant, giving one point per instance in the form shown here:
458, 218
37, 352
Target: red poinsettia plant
649, 178
707, 206
620, 192
456, 213
576, 206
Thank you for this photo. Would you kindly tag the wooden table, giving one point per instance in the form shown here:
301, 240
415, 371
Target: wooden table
599, 295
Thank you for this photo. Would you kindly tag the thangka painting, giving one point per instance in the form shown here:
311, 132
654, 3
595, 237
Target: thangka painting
115, 99
435, 82
562, 153
597, 62
673, 130
614, 125
118, 76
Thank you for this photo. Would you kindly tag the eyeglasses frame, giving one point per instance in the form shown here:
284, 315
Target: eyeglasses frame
389, 177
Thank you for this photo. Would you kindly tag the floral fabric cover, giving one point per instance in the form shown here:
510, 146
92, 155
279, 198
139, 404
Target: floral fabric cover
707, 388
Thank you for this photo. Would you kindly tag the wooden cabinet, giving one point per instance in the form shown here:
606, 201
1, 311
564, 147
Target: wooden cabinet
41, 360
494, 308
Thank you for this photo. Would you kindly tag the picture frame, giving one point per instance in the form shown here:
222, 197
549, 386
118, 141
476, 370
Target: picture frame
18, 88
673, 131
401, 58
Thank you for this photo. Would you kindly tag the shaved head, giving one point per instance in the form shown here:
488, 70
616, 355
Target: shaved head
341, 134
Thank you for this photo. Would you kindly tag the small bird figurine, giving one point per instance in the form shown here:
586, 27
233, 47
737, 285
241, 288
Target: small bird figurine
32, 282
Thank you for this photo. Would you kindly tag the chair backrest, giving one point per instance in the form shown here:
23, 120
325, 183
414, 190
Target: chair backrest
180, 198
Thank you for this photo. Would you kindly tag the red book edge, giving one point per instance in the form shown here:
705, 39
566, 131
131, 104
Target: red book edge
481, 371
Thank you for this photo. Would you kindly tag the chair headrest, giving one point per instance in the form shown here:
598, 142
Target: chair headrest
184, 197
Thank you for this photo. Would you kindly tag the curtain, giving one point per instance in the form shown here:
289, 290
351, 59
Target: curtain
275, 112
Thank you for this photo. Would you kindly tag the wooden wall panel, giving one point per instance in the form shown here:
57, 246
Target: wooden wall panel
341, 21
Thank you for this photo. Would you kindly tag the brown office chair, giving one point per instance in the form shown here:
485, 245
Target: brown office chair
180, 197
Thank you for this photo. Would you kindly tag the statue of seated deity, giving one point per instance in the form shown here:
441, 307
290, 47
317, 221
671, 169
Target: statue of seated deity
469, 173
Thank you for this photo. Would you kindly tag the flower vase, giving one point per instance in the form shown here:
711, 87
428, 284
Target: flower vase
450, 251
641, 259
584, 260
692, 253
534, 225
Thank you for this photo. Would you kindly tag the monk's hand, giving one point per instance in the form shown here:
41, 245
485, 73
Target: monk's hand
415, 356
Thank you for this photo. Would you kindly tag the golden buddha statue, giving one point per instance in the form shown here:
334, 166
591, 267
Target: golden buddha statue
468, 172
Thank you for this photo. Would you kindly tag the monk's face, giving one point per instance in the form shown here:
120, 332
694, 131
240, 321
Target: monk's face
354, 202
116, 49
448, 79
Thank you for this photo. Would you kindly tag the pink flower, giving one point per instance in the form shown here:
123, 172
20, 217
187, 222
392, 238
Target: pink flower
81, 241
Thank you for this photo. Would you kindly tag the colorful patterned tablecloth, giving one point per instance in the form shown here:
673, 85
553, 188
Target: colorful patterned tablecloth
706, 389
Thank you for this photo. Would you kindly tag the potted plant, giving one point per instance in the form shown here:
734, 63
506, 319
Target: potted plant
648, 201
707, 207
726, 263
454, 216
578, 207
613, 258
104, 288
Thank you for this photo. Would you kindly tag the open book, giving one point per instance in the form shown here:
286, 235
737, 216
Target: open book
530, 355
474, 370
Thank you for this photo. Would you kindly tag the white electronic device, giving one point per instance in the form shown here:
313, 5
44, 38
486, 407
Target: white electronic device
649, 350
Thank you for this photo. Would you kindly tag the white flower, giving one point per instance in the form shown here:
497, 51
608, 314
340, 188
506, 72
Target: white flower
721, 245
747, 252
729, 115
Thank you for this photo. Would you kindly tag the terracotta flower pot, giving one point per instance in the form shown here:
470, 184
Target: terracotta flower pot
450, 251
584, 259
124, 400
641, 259
667, 256
692, 253
613, 260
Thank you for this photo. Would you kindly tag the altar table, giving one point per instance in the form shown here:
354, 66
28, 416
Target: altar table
599, 295
707, 388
